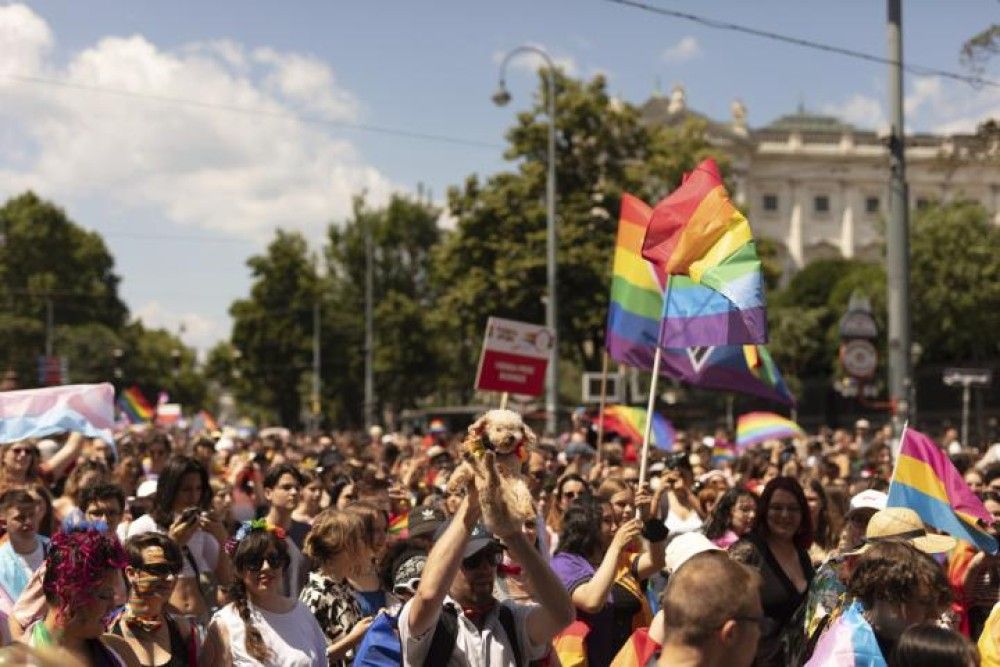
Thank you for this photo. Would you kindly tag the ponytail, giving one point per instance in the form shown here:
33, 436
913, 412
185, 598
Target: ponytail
254, 641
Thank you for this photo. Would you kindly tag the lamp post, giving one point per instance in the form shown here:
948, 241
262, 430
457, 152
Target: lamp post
500, 98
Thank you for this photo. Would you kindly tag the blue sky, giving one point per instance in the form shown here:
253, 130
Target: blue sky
184, 193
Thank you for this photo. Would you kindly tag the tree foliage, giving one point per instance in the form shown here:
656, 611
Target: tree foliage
494, 263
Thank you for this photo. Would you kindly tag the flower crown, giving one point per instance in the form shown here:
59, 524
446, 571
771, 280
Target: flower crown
248, 527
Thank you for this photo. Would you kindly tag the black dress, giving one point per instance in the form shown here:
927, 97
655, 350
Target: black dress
778, 595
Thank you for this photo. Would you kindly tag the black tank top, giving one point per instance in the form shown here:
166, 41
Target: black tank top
178, 647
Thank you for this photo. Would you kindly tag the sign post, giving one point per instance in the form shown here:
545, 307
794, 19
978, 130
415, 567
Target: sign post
514, 358
967, 378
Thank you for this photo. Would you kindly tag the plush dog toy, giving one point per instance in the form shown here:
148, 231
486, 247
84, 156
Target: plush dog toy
493, 450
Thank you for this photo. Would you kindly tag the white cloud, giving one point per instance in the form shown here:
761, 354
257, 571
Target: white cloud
197, 330
202, 165
863, 111
529, 61
686, 49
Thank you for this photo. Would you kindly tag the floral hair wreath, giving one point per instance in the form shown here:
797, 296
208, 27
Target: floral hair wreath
248, 527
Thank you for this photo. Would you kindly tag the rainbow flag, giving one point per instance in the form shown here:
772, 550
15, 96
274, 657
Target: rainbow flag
723, 452
630, 423
637, 651
696, 232
36, 413
926, 481
634, 313
755, 427
134, 404
399, 525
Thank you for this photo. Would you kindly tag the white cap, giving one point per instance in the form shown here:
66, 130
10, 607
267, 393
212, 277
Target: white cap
708, 441
224, 444
868, 499
375, 432
955, 447
686, 545
147, 489
862, 423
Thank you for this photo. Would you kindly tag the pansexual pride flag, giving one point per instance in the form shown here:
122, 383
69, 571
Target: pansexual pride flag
697, 232
926, 481
630, 423
755, 427
36, 413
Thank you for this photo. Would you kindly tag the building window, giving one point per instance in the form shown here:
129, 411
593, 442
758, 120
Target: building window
821, 204
872, 205
771, 203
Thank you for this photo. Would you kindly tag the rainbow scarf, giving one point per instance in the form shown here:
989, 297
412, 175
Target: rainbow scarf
630, 423
926, 481
756, 427
697, 232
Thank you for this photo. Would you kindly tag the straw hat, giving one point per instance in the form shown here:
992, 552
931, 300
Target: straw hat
902, 523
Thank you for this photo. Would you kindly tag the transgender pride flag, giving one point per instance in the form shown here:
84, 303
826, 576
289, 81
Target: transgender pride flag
35, 413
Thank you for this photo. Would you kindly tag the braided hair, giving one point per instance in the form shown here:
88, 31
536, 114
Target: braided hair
254, 546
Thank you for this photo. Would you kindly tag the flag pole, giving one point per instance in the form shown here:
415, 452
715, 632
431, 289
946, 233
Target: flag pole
650, 404
600, 409
503, 399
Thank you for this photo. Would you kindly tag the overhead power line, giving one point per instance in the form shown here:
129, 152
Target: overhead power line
972, 80
270, 113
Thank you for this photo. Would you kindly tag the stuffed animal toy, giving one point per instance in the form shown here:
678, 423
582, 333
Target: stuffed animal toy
493, 450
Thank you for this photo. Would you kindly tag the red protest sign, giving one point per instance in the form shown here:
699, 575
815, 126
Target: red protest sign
514, 357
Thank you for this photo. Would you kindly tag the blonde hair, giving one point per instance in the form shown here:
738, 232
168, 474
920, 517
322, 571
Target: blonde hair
334, 531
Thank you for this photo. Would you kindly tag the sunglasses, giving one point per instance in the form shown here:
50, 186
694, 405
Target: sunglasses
162, 570
491, 556
274, 560
571, 495
27, 451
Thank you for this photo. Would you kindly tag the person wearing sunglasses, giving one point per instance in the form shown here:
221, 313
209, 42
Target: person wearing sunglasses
144, 633
715, 613
453, 619
22, 464
261, 626
568, 488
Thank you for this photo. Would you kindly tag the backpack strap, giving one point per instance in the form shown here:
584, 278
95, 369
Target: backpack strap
445, 637
510, 629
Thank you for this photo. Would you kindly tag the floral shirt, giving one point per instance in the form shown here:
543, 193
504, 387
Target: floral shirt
335, 607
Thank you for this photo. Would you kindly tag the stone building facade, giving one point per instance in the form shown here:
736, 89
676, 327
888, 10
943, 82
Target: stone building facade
819, 187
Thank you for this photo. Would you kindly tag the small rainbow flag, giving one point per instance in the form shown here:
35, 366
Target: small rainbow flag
755, 427
697, 232
723, 452
399, 524
630, 423
926, 481
134, 404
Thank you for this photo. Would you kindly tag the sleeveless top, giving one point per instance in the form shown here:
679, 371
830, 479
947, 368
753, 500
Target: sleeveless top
294, 637
179, 648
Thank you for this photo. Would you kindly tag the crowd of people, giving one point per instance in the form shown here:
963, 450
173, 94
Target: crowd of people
173, 549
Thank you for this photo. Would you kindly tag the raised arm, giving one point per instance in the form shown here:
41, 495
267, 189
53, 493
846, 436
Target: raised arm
62, 459
442, 565
556, 609
591, 596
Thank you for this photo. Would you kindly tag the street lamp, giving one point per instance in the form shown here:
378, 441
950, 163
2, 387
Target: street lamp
500, 98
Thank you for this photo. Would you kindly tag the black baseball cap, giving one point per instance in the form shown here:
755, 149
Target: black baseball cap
425, 521
479, 539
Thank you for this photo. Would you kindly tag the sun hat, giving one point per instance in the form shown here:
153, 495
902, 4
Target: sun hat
684, 546
903, 524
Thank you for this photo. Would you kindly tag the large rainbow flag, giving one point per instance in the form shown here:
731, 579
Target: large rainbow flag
36, 413
755, 427
135, 406
630, 423
696, 232
926, 481
634, 324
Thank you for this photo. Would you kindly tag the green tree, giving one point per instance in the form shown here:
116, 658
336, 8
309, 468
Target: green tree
46, 260
272, 328
406, 353
955, 283
494, 263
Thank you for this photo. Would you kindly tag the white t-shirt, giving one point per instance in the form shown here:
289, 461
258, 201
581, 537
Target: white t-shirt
204, 548
295, 638
489, 648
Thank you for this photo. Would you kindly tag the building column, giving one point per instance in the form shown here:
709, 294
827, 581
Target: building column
794, 240
847, 197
